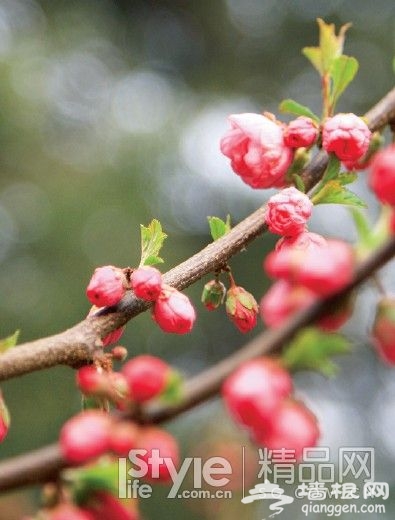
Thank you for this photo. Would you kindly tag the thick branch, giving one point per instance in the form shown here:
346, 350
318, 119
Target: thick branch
46, 463
77, 344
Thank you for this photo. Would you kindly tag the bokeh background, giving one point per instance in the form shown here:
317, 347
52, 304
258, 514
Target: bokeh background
110, 115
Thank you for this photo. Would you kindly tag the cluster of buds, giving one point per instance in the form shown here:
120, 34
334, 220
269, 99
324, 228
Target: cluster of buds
172, 310
307, 267
93, 433
141, 379
258, 396
241, 306
261, 148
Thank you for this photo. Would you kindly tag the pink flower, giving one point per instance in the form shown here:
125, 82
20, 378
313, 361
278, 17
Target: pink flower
146, 282
106, 286
302, 131
173, 311
303, 241
241, 308
256, 148
288, 211
382, 175
282, 300
347, 135
146, 376
324, 270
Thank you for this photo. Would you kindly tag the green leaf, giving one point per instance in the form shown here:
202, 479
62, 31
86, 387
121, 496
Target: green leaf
362, 225
219, 227
393, 64
313, 349
347, 178
335, 193
313, 54
9, 342
332, 170
102, 476
370, 237
289, 106
299, 184
344, 69
174, 390
152, 238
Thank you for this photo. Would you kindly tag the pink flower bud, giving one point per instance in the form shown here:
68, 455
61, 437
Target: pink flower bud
113, 337
4, 419
102, 505
91, 381
213, 294
255, 146
301, 132
85, 436
241, 308
123, 438
277, 435
324, 270
106, 286
254, 391
383, 332
146, 377
146, 283
382, 175
67, 512
303, 241
153, 438
282, 300
173, 311
288, 211
347, 135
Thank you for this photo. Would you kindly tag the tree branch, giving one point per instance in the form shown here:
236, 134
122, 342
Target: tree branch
45, 464
77, 345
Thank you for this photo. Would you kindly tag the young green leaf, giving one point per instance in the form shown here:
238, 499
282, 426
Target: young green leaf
152, 238
174, 390
347, 178
9, 342
313, 54
102, 476
290, 106
219, 227
313, 349
335, 193
299, 184
344, 69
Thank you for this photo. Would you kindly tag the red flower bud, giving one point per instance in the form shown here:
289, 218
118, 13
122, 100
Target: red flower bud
213, 294
105, 506
146, 283
156, 439
4, 418
305, 240
113, 337
85, 436
123, 438
91, 381
253, 392
146, 377
241, 308
292, 427
106, 287
347, 135
383, 332
288, 212
173, 311
382, 175
68, 512
301, 132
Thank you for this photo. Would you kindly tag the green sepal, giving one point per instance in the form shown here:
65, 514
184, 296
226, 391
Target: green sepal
335, 193
219, 227
289, 106
102, 476
152, 238
9, 342
313, 349
344, 69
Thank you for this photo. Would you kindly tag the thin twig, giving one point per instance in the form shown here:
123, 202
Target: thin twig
77, 345
46, 463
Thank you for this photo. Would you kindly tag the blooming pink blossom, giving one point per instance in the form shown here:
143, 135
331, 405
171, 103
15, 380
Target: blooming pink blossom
347, 136
302, 131
255, 146
288, 211
173, 311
